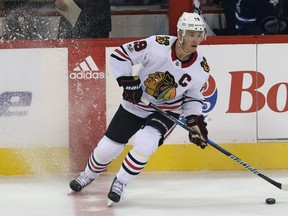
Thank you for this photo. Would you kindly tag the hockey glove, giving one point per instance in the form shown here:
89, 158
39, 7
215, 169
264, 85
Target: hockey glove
199, 125
132, 90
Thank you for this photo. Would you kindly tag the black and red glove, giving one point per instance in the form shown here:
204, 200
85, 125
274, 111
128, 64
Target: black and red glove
132, 90
199, 125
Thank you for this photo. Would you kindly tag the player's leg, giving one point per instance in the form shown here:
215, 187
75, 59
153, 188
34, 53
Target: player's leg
121, 128
98, 161
147, 140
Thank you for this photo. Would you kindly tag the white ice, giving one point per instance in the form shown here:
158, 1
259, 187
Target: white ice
199, 193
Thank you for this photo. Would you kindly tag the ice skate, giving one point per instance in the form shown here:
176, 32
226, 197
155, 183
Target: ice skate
116, 192
80, 182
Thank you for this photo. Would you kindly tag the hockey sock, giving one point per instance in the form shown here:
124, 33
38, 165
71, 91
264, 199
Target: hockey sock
131, 166
101, 157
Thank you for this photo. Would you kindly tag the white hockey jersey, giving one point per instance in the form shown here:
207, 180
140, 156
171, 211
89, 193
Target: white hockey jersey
166, 81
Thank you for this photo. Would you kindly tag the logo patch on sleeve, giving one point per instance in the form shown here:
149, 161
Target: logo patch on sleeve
205, 65
163, 40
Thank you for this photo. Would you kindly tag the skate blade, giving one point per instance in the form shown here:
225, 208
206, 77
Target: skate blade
71, 192
110, 203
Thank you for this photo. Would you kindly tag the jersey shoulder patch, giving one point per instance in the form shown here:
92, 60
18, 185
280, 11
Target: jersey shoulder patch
162, 40
204, 64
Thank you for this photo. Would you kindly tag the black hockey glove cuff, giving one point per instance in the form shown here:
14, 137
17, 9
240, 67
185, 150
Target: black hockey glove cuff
199, 125
132, 90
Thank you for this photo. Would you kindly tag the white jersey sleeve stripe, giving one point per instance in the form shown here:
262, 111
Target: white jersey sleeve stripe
122, 54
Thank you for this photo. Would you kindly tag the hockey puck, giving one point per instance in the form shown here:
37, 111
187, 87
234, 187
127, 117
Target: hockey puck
270, 201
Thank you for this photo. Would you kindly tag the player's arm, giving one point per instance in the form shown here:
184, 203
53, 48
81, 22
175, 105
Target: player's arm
124, 57
122, 61
193, 106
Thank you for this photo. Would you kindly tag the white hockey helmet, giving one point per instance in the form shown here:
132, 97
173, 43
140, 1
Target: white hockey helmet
191, 21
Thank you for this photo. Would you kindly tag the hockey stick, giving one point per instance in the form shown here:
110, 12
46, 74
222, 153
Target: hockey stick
219, 148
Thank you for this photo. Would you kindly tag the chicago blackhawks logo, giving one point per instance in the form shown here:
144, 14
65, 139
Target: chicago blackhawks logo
162, 40
161, 86
205, 65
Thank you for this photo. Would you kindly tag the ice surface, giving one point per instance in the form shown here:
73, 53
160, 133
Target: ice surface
201, 193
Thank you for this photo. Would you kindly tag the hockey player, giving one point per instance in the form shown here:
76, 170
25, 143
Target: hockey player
172, 76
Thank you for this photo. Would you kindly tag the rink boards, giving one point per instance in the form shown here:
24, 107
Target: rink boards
57, 98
